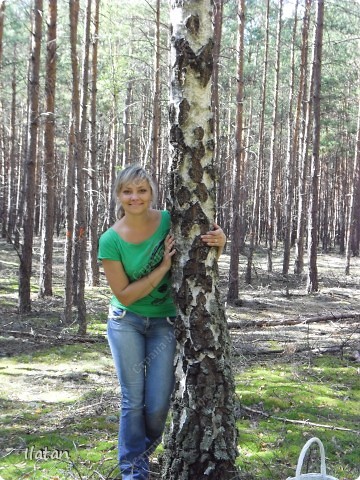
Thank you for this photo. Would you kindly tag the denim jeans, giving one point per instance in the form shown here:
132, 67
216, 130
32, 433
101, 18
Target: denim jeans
143, 351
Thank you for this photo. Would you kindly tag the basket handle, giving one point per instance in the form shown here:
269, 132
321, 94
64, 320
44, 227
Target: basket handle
303, 453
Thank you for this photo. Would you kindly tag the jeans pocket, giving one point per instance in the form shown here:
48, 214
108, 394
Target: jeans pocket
171, 320
116, 313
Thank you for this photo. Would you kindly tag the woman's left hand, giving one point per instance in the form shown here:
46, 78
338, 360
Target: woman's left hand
215, 238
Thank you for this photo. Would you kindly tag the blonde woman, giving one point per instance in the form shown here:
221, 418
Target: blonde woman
136, 253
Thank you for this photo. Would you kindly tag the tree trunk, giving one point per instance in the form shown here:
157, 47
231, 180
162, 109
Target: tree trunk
127, 141
94, 273
81, 148
233, 292
72, 153
156, 118
48, 218
351, 211
272, 166
202, 440
2, 15
260, 159
292, 144
11, 172
303, 144
218, 158
30, 161
312, 280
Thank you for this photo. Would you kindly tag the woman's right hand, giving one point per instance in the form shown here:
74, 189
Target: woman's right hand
169, 251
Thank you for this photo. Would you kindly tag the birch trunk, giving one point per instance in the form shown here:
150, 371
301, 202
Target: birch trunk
202, 440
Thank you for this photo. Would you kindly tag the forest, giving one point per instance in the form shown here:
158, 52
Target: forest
86, 89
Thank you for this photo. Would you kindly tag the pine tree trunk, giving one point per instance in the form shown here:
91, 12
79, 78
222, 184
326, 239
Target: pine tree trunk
11, 172
156, 118
202, 440
218, 158
351, 210
233, 291
2, 15
81, 148
72, 154
94, 273
48, 222
303, 144
260, 159
292, 143
272, 166
127, 124
31, 161
312, 280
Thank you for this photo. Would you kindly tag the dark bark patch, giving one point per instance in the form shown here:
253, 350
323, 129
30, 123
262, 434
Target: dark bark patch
201, 192
198, 133
184, 108
183, 196
193, 24
202, 63
177, 137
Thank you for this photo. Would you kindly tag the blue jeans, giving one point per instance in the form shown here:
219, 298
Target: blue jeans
143, 350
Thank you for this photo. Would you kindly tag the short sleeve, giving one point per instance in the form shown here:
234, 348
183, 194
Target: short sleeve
109, 247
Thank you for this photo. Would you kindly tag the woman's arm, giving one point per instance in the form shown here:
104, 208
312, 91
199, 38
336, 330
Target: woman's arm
215, 238
129, 292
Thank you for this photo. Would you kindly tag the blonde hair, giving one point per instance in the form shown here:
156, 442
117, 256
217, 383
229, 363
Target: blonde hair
132, 174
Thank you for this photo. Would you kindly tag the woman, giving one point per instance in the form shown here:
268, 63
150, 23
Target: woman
136, 254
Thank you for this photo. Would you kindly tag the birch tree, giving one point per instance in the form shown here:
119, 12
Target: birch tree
202, 439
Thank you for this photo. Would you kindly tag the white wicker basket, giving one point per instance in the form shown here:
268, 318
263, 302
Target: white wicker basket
311, 476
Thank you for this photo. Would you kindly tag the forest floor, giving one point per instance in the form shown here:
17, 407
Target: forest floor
296, 364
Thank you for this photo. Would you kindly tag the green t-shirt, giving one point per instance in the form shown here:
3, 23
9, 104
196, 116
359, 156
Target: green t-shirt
139, 259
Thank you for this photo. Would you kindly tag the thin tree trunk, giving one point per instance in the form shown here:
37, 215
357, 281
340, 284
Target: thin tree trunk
2, 15
48, 219
312, 280
81, 144
272, 166
11, 172
94, 184
260, 159
219, 159
292, 144
202, 440
31, 160
127, 148
351, 211
156, 118
303, 144
233, 291
70, 174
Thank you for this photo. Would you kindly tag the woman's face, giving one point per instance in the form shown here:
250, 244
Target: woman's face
135, 197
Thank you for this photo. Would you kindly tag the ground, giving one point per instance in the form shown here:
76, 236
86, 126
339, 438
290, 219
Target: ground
59, 394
